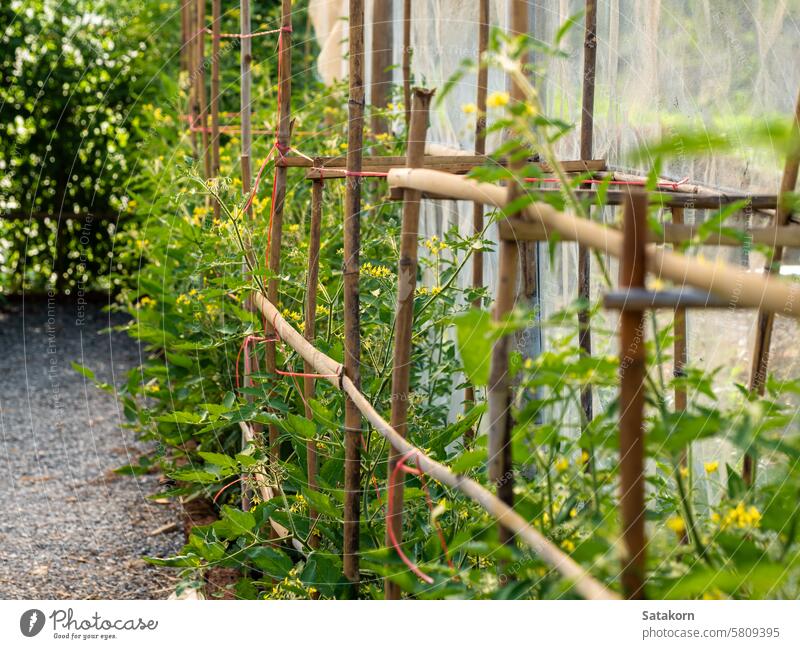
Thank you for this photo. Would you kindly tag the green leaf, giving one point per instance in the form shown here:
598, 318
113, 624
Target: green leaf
81, 369
475, 337
271, 561
244, 522
194, 475
468, 460
220, 460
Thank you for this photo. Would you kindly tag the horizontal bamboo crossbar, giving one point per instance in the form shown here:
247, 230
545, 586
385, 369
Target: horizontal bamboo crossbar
672, 233
583, 583
725, 281
642, 299
334, 166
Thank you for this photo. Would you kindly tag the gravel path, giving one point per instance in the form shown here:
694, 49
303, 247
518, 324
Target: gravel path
69, 526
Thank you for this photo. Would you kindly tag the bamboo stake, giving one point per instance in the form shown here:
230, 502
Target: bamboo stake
312, 281
583, 583
245, 67
587, 135
192, 67
765, 322
352, 333
480, 149
215, 31
631, 400
404, 319
723, 280
201, 85
279, 195
498, 391
382, 52
245, 86
679, 343
406, 60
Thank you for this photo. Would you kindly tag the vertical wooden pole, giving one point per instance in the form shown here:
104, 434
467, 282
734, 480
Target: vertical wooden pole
766, 320
679, 343
245, 86
406, 60
352, 332
192, 91
587, 136
312, 280
404, 320
276, 232
499, 391
201, 85
245, 108
215, 31
631, 398
480, 149
382, 51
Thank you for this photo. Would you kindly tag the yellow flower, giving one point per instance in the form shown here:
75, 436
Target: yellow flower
684, 471
183, 299
435, 290
562, 464
469, 109
147, 302
568, 545
710, 467
498, 99
573, 513
378, 272
740, 517
584, 457
676, 524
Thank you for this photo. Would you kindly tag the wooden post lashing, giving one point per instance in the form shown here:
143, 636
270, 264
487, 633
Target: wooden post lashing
215, 31
404, 318
352, 332
279, 196
406, 60
312, 280
382, 52
631, 400
766, 319
480, 149
201, 86
587, 136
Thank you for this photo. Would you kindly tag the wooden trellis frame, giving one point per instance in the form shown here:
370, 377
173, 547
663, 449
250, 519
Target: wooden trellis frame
425, 177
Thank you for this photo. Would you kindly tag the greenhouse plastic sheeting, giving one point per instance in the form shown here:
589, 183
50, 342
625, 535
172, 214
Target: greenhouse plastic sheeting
659, 63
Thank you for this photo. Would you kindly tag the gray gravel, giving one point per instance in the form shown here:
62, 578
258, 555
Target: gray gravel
69, 526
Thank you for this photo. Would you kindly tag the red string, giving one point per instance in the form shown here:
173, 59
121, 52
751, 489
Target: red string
232, 482
401, 466
593, 181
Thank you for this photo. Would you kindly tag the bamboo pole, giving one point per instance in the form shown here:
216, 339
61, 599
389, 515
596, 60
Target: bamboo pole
404, 320
245, 109
215, 32
245, 86
480, 149
765, 322
201, 85
279, 194
406, 60
583, 583
723, 280
352, 332
499, 391
679, 343
382, 53
451, 163
312, 280
587, 137
631, 400
192, 68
